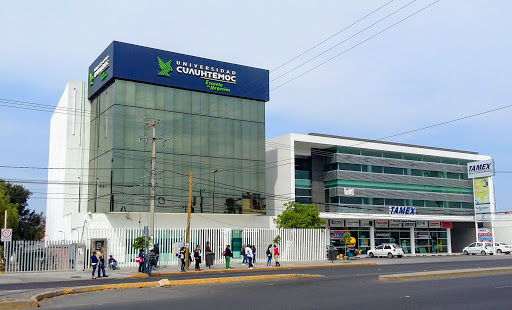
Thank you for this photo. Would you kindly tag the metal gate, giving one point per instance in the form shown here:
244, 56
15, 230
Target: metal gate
22, 256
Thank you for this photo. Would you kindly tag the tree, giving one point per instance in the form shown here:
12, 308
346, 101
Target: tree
139, 243
12, 209
30, 225
297, 215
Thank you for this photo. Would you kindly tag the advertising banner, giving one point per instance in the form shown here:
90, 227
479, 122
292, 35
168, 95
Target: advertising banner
395, 223
382, 234
434, 224
337, 223
408, 224
479, 169
481, 190
422, 224
381, 223
446, 225
149, 65
365, 223
484, 235
338, 233
352, 223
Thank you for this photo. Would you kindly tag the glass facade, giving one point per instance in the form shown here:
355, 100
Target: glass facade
303, 180
220, 139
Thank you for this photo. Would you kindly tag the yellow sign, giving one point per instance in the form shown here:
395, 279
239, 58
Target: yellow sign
481, 189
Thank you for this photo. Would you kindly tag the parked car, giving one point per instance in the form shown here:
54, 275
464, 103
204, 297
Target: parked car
483, 248
387, 249
501, 247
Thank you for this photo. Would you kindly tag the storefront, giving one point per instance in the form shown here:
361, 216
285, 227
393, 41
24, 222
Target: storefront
415, 237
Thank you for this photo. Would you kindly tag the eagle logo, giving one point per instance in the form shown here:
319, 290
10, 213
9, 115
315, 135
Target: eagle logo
165, 67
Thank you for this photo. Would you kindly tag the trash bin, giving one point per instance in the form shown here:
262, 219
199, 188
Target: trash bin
332, 254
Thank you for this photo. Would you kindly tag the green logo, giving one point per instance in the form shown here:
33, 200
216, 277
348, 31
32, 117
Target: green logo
91, 79
103, 75
165, 67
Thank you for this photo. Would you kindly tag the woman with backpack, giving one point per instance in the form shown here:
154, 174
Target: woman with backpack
269, 255
197, 257
228, 255
140, 259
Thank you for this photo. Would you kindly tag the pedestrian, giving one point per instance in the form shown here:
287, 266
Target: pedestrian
156, 248
253, 248
228, 255
94, 263
269, 255
112, 263
183, 252
244, 261
209, 255
250, 255
197, 257
276, 256
141, 256
151, 261
101, 263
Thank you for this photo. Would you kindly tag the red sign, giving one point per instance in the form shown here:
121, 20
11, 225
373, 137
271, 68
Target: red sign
446, 225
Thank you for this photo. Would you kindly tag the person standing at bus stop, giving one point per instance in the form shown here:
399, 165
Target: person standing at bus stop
228, 255
276, 256
94, 263
250, 255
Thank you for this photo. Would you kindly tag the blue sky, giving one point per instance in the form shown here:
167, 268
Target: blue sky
446, 62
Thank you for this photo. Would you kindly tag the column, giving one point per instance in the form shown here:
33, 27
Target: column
372, 237
449, 239
413, 242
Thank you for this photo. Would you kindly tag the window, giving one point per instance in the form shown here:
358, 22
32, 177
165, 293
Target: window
302, 175
417, 172
395, 202
387, 247
371, 153
349, 167
379, 247
302, 192
451, 175
418, 203
392, 155
351, 200
377, 169
392, 170
472, 245
378, 201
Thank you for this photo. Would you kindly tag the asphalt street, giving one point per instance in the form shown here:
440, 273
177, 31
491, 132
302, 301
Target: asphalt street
330, 292
454, 262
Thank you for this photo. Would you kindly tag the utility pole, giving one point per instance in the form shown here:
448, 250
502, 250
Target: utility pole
188, 219
213, 195
152, 190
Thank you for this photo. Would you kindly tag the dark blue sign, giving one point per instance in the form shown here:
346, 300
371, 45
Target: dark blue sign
148, 65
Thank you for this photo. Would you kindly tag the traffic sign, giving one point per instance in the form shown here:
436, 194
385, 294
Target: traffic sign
6, 235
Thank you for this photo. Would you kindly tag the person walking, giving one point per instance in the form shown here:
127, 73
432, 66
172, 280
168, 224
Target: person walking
269, 255
228, 255
244, 261
250, 255
183, 252
156, 248
94, 263
141, 256
253, 248
276, 256
101, 263
197, 257
151, 261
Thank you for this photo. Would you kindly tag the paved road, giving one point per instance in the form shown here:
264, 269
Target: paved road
390, 267
332, 292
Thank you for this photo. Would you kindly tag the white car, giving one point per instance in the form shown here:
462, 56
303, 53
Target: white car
483, 248
387, 249
502, 247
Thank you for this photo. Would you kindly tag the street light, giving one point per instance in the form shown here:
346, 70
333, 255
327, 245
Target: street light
213, 195
63, 233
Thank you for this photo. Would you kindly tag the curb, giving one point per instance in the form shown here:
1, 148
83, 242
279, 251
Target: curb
158, 274
442, 274
33, 302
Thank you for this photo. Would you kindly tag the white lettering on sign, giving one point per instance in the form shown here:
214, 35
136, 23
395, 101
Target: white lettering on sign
381, 223
103, 65
402, 210
434, 224
422, 224
206, 72
352, 223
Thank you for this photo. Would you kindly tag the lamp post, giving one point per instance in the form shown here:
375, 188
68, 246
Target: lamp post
213, 194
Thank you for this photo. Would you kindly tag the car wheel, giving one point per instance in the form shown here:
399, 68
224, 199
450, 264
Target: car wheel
483, 253
399, 256
390, 255
499, 251
371, 255
507, 252
466, 253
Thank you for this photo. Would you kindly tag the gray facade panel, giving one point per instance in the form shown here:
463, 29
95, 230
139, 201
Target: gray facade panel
397, 194
317, 179
395, 179
391, 162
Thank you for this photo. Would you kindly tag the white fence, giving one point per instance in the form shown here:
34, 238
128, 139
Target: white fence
295, 245
20, 256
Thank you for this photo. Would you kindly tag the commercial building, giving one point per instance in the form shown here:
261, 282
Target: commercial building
419, 197
211, 122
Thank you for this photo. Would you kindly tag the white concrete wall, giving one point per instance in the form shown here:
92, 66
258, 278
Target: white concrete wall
68, 160
503, 228
280, 174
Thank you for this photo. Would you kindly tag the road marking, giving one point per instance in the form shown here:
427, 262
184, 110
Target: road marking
506, 286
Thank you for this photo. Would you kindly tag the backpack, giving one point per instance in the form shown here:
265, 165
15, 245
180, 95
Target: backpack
152, 261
